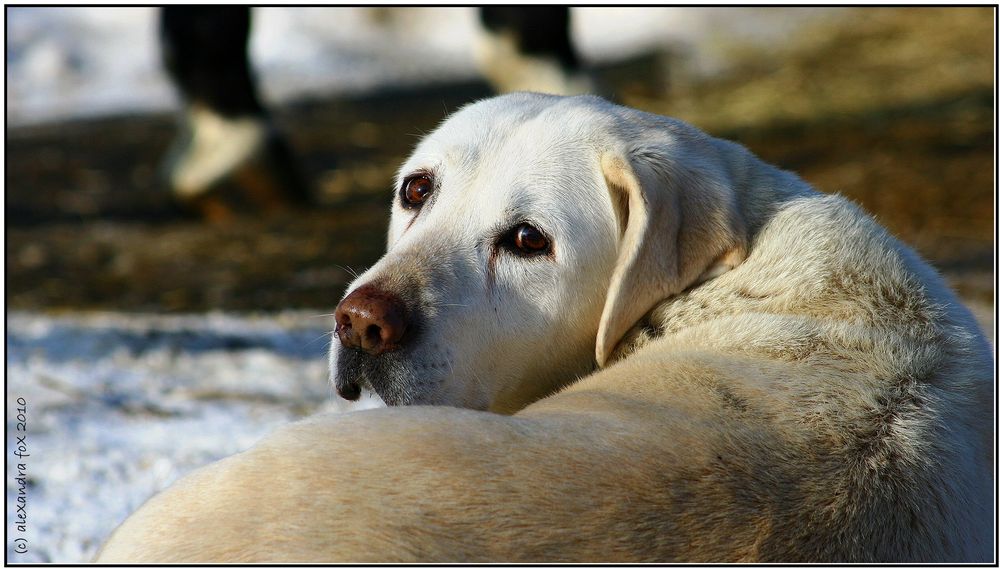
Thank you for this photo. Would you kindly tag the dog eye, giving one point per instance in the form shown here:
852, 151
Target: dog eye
415, 190
527, 240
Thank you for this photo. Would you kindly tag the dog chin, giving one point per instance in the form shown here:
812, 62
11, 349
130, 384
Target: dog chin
389, 376
368, 400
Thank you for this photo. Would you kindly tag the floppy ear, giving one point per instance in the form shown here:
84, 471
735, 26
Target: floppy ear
679, 226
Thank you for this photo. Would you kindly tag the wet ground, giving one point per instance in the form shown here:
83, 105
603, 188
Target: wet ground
89, 226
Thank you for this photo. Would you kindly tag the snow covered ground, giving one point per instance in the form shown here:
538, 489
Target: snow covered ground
69, 62
118, 406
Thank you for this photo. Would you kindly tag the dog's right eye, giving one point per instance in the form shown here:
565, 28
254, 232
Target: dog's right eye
415, 190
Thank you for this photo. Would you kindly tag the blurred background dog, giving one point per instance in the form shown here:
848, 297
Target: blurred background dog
147, 341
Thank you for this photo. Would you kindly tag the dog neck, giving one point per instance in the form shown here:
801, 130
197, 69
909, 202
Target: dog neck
760, 192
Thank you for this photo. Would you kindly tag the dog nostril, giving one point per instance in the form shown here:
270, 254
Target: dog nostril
344, 332
372, 338
349, 391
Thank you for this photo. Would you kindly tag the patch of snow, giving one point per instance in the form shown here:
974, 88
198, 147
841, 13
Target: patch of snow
119, 406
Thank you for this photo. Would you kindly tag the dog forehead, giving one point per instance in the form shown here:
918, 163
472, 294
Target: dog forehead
516, 126
532, 176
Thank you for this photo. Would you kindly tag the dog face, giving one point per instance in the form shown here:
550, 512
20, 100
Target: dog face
528, 233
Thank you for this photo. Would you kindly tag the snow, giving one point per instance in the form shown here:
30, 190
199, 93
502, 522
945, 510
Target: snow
121, 405
72, 62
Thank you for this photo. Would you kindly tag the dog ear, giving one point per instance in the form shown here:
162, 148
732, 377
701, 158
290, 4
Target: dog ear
680, 227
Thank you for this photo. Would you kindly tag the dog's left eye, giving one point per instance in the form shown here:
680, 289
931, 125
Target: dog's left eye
526, 240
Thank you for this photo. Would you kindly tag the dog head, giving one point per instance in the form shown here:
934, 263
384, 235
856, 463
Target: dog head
529, 233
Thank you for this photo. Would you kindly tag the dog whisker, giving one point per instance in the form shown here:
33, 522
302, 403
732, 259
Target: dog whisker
348, 270
310, 343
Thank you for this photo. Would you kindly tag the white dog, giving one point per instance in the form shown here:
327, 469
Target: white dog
778, 379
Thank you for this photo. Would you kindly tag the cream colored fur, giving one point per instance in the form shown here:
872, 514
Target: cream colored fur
782, 380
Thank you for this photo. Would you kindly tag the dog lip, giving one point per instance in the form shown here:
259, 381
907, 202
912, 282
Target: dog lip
388, 375
349, 390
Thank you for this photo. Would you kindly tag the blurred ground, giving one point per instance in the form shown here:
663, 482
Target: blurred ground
893, 110
891, 107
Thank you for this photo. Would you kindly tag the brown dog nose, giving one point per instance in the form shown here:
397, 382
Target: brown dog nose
371, 319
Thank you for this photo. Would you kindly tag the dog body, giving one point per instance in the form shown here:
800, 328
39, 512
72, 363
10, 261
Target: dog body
781, 380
